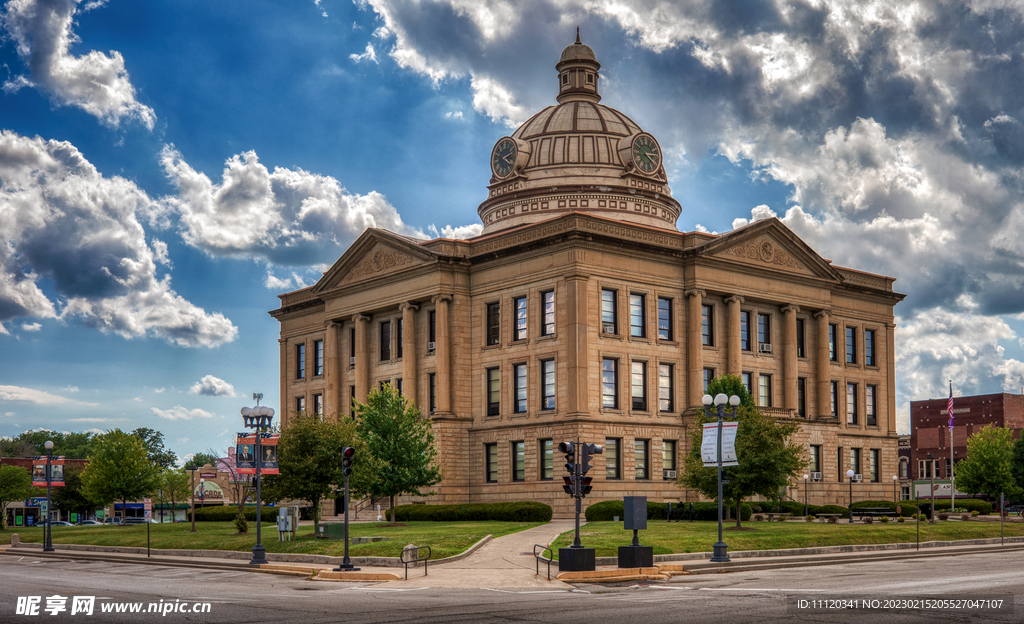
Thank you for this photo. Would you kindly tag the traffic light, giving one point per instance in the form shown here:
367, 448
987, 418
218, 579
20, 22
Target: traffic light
587, 451
569, 450
348, 456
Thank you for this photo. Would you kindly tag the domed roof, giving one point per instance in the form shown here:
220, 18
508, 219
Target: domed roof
577, 52
578, 117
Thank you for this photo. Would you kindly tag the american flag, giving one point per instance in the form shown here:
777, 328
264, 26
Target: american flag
949, 406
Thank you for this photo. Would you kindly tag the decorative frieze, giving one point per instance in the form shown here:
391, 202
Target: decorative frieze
377, 262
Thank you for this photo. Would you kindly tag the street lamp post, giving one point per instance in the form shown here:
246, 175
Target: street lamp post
720, 551
850, 474
894, 480
48, 542
806, 477
258, 418
931, 471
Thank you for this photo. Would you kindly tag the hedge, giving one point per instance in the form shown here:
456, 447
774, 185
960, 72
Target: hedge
970, 504
224, 513
525, 511
605, 511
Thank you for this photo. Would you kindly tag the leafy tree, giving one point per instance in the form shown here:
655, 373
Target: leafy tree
29, 443
309, 459
15, 485
119, 469
199, 460
401, 443
70, 497
988, 468
1017, 464
768, 458
153, 441
175, 483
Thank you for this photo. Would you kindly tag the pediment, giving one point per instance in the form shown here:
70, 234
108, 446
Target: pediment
769, 244
375, 254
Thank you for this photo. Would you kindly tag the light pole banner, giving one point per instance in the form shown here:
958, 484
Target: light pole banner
709, 444
268, 452
245, 454
56, 471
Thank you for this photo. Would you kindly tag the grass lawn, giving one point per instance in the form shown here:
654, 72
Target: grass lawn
686, 537
444, 538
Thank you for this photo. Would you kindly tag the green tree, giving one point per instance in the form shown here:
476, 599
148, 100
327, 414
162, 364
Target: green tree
29, 443
119, 469
309, 459
988, 468
71, 497
174, 483
15, 485
199, 460
153, 441
401, 443
768, 458
1017, 464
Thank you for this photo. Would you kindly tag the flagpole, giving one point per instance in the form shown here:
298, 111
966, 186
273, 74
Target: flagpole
952, 460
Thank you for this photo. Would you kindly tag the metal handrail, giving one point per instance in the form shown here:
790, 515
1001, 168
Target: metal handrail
417, 559
541, 556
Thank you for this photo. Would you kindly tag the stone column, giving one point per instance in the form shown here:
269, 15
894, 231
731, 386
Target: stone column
694, 347
822, 363
577, 346
332, 397
734, 346
442, 355
362, 367
409, 355
890, 380
286, 411
789, 370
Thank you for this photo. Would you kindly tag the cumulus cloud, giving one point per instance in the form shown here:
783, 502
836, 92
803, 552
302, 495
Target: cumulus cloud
181, 413
97, 83
462, 231
287, 217
213, 386
31, 327
62, 222
30, 395
368, 55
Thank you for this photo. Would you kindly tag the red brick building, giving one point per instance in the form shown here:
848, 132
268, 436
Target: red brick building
929, 425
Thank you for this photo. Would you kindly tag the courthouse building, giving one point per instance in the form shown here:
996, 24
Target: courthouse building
581, 311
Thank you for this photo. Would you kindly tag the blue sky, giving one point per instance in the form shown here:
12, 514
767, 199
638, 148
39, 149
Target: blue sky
168, 168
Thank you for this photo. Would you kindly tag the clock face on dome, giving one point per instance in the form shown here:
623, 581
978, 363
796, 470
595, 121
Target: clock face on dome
646, 154
503, 158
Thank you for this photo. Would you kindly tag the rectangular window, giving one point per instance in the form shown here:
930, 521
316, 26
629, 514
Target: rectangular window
924, 469
398, 386
707, 326
609, 316
855, 461
745, 330
300, 404
748, 382
764, 390
613, 464
668, 458
300, 361
851, 404
801, 397
800, 338
493, 391
834, 390
637, 305
665, 390
491, 454
609, 383
903, 469
547, 325
519, 461
352, 345
432, 327
318, 358
947, 468
519, 331
641, 458
851, 345
873, 465
764, 329
709, 374
318, 404
869, 347
432, 385
814, 461
401, 337
638, 385
547, 382
870, 405
519, 377
385, 341
493, 322
832, 355
547, 464
664, 319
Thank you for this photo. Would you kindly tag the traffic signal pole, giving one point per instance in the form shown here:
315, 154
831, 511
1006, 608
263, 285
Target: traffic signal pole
577, 493
348, 455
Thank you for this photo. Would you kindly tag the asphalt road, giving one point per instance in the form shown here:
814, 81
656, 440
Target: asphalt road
763, 597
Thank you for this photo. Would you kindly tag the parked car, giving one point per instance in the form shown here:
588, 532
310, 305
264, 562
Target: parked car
112, 520
137, 521
88, 522
60, 523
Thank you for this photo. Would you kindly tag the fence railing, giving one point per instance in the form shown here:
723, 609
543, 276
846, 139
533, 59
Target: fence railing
540, 557
417, 559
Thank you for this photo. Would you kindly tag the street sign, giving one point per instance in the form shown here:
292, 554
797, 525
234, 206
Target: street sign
148, 506
709, 444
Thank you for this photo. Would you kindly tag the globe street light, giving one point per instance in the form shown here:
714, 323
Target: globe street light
48, 529
720, 551
850, 473
806, 477
894, 480
260, 419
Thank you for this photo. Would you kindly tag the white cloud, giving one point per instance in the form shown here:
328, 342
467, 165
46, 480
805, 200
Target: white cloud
70, 389
462, 231
319, 5
62, 222
497, 101
213, 386
96, 420
181, 413
453, 115
368, 55
96, 83
29, 395
31, 327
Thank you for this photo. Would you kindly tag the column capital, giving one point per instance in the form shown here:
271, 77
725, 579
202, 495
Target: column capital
823, 314
440, 298
333, 323
695, 292
791, 308
734, 299
408, 306
359, 317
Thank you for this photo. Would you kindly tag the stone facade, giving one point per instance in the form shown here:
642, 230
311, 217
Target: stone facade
589, 323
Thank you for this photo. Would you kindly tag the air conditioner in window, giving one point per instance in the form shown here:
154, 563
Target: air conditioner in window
670, 474
815, 476
858, 477
608, 328
765, 348
352, 361
430, 346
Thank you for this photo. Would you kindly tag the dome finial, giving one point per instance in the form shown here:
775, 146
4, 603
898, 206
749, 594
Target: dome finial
578, 36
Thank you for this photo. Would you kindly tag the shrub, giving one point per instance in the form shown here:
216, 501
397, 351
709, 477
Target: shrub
227, 513
965, 517
758, 518
833, 520
241, 524
809, 519
756, 508
885, 519
868, 519
833, 509
606, 511
901, 519
782, 518
943, 516
975, 513
525, 511
971, 504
